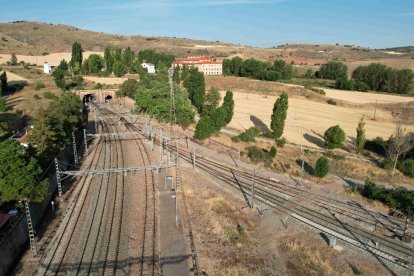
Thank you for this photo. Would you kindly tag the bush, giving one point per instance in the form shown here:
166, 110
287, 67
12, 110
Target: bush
36, 97
2, 104
273, 152
257, 155
98, 86
204, 128
49, 95
39, 85
407, 167
322, 167
334, 137
332, 102
249, 135
281, 142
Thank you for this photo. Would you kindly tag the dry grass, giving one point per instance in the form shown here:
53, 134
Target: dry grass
53, 58
364, 97
302, 259
315, 117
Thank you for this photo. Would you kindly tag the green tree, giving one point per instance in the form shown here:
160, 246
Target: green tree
54, 125
360, 138
204, 128
228, 106
128, 88
77, 57
94, 63
309, 74
20, 174
59, 77
333, 70
279, 114
128, 59
3, 80
63, 65
184, 72
109, 60
13, 59
196, 88
334, 137
212, 100
176, 76
322, 167
118, 68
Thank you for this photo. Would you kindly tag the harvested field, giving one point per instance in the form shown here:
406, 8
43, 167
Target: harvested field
106, 80
364, 97
315, 117
53, 59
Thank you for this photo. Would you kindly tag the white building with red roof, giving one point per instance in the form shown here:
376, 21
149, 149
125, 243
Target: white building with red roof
202, 63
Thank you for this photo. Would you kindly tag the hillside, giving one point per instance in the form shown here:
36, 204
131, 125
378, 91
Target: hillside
32, 38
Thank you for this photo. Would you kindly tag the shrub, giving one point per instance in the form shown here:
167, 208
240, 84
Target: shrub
273, 152
204, 128
332, 102
322, 167
49, 95
249, 135
407, 167
281, 142
39, 85
98, 86
261, 155
256, 154
334, 137
36, 97
2, 104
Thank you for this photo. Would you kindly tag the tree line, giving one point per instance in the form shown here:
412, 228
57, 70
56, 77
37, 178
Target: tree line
375, 77
251, 68
115, 61
23, 171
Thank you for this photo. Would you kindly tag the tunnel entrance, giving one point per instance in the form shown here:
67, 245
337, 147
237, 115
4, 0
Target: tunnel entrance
108, 98
89, 98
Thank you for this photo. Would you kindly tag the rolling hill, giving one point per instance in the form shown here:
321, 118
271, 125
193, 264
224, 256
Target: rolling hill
34, 38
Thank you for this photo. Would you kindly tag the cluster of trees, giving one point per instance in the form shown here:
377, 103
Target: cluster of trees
251, 68
375, 76
22, 170
399, 198
160, 60
332, 70
53, 126
379, 77
3, 88
214, 117
152, 96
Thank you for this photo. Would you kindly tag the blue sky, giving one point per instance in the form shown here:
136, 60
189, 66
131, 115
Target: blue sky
263, 23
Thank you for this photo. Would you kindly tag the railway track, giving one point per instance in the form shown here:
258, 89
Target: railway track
291, 201
89, 241
149, 260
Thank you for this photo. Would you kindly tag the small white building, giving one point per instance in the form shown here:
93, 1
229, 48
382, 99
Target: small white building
47, 68
150, 67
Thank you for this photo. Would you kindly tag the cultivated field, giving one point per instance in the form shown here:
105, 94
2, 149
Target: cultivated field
364, 97
315, 117
53, 59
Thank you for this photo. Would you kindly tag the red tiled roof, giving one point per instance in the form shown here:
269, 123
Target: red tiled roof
23, 139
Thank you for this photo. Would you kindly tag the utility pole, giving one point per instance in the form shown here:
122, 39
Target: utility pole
85, 141
375, 109
161, 144
194, 160
303, 156
253, 179
75, 151
59, 184
32, 240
